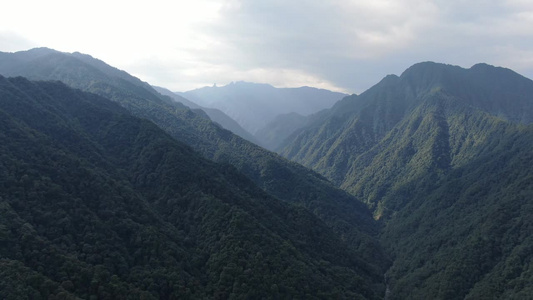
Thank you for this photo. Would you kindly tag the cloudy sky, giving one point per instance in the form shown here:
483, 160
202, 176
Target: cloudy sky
343, 45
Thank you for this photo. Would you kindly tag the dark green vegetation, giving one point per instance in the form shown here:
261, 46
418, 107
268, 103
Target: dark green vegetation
287, 181
346, 217
443, 156
97, 203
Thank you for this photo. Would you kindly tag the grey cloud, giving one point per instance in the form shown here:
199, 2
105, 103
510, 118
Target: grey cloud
354, 43
344, 44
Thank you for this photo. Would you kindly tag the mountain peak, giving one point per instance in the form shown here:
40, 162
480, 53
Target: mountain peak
491, 72
391, 78
488, 69
429, 68
254, 105
482, 66
40, 50
34, 53
433, 69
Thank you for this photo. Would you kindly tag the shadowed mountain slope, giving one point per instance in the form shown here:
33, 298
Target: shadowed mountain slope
345, 215
97, 203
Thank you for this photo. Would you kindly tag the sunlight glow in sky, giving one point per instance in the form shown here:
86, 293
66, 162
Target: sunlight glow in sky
342, 45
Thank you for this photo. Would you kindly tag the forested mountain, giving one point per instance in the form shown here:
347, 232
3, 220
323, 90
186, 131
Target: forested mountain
254, 105
337, 137
443, 157
215, 115
290, 182
467, 233
97, 203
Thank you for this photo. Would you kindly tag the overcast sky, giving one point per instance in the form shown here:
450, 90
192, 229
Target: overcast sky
342, 45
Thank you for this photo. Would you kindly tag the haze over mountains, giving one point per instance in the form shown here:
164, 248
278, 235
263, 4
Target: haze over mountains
131, 192
214, 114
254, 105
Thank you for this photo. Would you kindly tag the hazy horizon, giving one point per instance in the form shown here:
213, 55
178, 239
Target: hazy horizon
345, 46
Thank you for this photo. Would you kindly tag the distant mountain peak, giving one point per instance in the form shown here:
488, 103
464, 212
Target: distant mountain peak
482, 66
391, 78
35, 52
254, 105
498, 72
40, 50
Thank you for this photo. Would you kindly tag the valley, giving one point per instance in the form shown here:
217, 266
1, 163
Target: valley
420, 187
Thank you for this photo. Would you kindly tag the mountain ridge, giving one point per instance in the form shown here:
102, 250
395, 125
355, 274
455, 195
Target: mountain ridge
253, 105
215, 115
390, 100
440, 154
280, 178
98, 203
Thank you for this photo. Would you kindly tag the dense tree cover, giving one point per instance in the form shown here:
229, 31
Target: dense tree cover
288, 181
96, 203
440, 156
334, 139
471, 230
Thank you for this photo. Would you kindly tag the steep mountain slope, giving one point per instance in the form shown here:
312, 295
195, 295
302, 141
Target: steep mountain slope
287, 181
468, 234
97, 203
331, 142
215, 115
442, 156
276, 131
254, 105
336, 138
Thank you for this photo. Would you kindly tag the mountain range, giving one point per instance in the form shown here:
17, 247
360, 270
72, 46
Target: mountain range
214, 114
348, 218
254, 105
442, 155
98, 203
286, 180
420, 188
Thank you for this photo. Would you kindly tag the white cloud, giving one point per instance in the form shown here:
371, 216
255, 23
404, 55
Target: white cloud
12, 42
313, 37
184, 76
